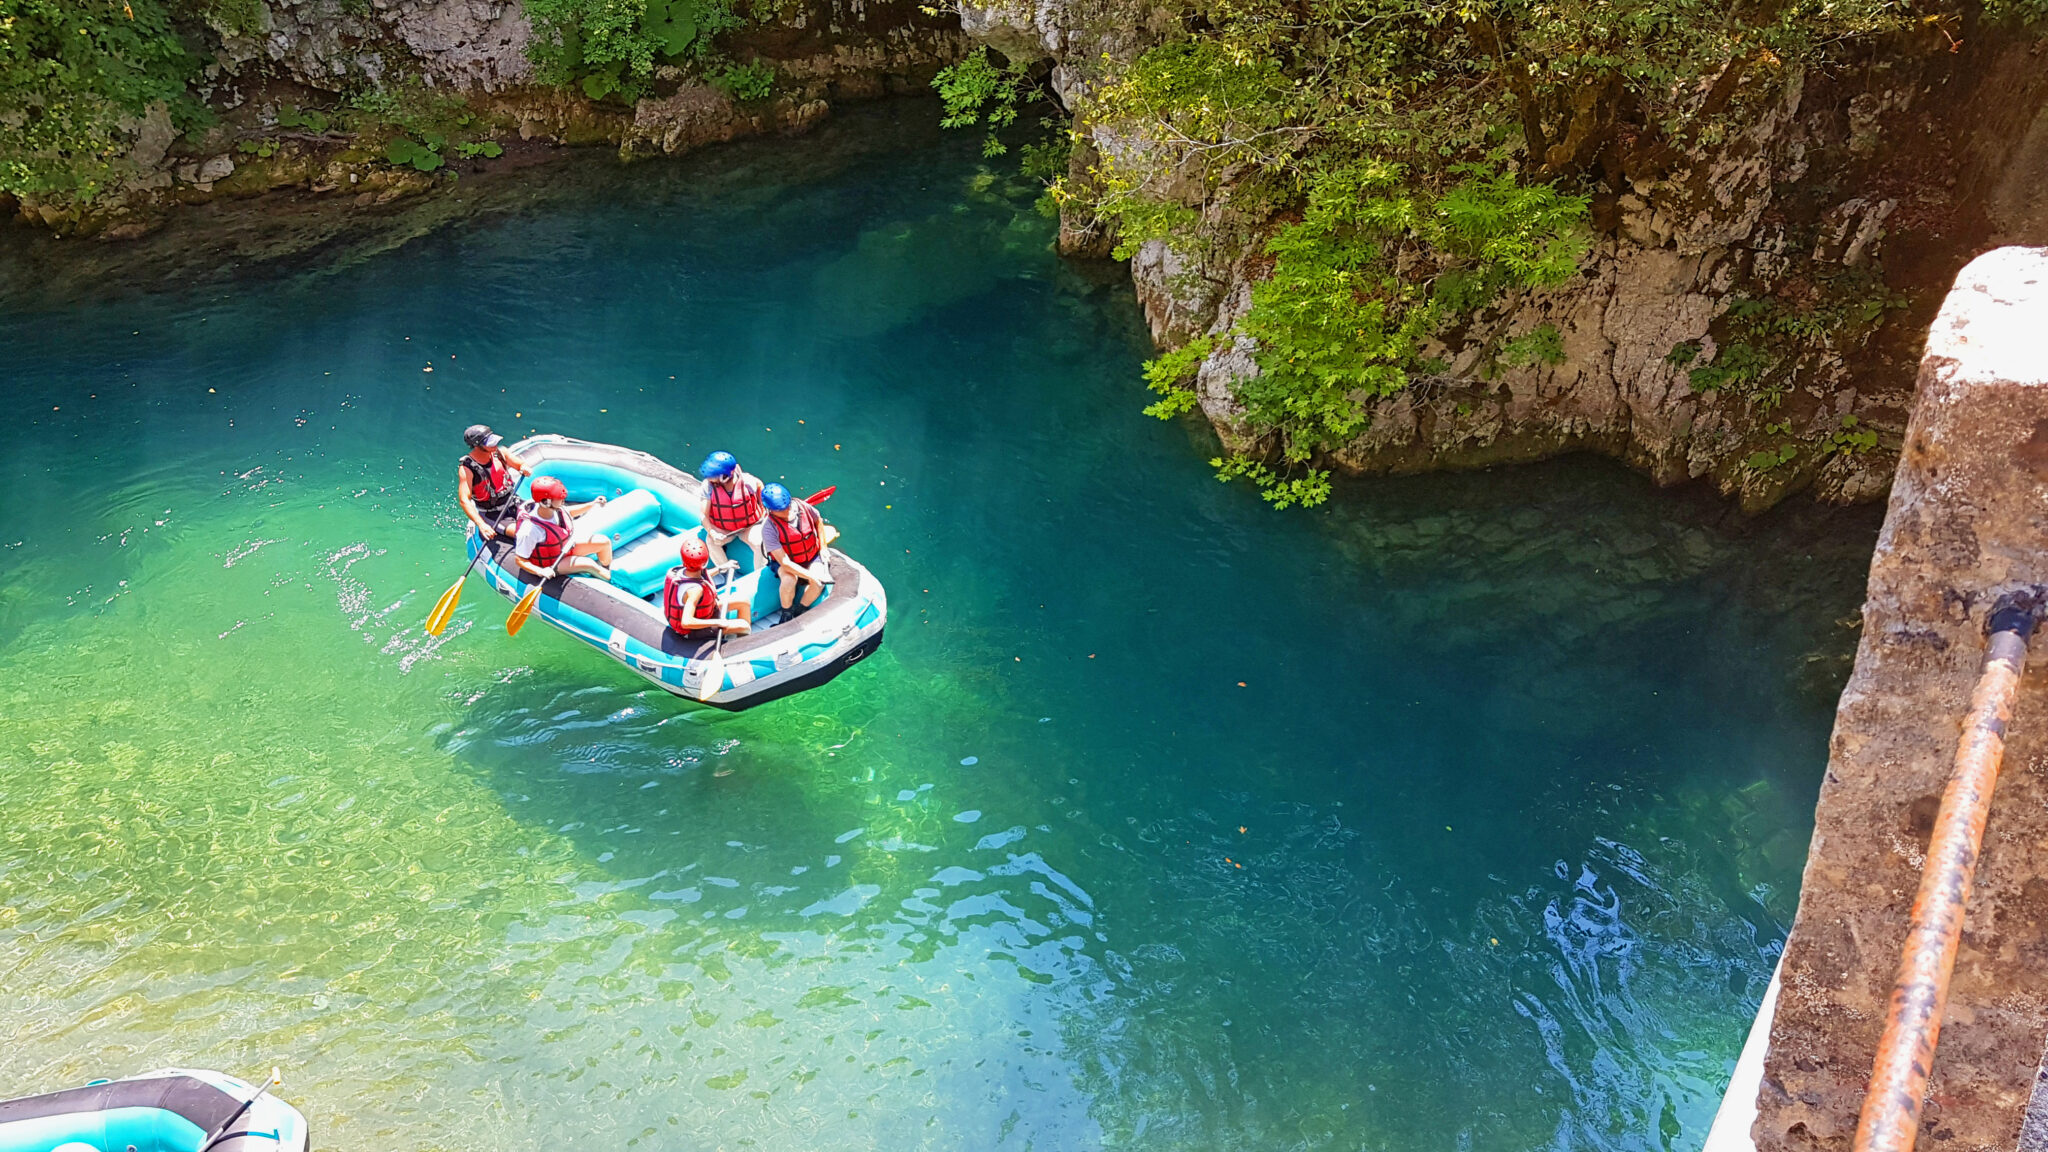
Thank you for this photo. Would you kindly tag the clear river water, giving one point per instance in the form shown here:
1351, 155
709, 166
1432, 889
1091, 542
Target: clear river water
1466, 813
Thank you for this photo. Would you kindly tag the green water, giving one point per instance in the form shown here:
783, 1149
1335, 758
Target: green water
1466, 814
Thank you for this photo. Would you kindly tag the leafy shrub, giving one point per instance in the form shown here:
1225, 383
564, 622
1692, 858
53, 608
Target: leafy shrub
312, 120
977, 91
73, 73
424, 155
745, 82
1372, 270
610, 47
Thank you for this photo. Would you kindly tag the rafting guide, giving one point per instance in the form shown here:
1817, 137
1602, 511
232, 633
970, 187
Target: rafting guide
761, 605
487, 479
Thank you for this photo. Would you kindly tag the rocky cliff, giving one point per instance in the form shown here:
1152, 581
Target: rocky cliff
281, 90
1815, 243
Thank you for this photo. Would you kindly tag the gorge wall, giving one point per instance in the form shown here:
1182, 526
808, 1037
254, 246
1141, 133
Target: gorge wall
1839, 216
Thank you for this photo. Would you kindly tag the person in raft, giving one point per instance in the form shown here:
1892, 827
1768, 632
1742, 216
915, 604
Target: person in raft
691, 603
794, 540
486, 476
548, 544
732, 506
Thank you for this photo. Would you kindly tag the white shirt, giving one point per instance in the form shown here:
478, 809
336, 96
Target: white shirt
530, 535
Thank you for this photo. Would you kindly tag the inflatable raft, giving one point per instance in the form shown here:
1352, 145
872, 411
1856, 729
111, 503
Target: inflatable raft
650, 506
173, 1110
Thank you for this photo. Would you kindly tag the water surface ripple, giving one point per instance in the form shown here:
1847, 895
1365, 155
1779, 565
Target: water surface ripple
1466, 814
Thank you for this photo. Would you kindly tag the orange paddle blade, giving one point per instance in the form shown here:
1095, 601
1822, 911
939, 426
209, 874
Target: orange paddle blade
444, 608
521, 611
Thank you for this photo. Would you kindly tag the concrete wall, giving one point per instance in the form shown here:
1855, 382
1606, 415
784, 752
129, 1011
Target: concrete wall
1968, 519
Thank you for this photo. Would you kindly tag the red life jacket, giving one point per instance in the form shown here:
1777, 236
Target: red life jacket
554, 537
672, 599
487, 485
734, 508
799, 533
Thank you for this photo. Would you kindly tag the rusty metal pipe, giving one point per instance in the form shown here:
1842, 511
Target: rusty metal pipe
1905, 1055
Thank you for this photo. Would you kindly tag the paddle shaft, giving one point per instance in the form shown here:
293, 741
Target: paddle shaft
485, 545
214, 1136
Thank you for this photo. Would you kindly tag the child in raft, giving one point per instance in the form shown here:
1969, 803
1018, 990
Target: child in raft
548, 544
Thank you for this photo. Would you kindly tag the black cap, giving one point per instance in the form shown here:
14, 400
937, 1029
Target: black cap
481, 436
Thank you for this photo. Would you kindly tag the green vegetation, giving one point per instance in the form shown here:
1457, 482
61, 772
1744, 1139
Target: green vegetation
609, 48
744, 82
73, 75
309, 120
417, 126
1409, 169
1769, 344
976, 91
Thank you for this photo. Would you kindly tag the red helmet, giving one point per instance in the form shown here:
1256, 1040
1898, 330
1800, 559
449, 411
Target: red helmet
695, 554
549, 488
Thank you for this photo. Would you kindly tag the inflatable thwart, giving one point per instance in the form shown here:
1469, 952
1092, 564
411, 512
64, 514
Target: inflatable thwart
173, 1110
650, 507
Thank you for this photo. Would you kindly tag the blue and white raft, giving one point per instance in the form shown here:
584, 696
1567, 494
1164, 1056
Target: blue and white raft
650, 507
172, 1110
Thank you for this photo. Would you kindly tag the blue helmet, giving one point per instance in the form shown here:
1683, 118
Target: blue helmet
717, 464
776, 497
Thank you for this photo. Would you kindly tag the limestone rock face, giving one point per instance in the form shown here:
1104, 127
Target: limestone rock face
1968, 520
458, 44
1897, 176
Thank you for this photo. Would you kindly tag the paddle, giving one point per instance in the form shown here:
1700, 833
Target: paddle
522, 610
713, 678
444, 608
214, 1136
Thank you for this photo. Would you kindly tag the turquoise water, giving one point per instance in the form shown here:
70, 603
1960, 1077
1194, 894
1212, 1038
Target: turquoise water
1465, 814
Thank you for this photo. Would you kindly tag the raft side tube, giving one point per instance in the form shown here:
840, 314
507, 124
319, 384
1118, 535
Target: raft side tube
172, 1110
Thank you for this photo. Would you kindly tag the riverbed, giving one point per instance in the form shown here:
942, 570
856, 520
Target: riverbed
1467, 812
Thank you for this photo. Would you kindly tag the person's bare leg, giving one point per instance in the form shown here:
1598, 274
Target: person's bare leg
593, 557
788, 575
812, 590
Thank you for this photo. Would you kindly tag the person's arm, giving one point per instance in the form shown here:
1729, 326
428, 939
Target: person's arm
513, 462
580, 509
690, 597
467, 501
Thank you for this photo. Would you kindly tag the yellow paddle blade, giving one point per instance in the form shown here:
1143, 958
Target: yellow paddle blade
444, 608
831, 534
712, 680
521, 611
